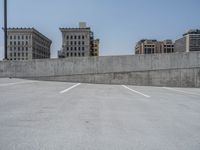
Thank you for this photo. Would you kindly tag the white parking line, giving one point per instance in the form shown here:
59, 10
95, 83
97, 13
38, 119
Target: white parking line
176, 90
147, 96
15, 83
68, 89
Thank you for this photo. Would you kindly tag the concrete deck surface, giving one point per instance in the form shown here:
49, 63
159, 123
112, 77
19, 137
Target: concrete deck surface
37, 115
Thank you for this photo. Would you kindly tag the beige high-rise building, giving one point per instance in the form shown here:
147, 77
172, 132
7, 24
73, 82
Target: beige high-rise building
189, 42
78, 42
148, 46
27, 44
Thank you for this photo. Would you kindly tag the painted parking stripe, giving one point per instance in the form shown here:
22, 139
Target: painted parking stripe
176, 90
16, 83
147, 96
70, 88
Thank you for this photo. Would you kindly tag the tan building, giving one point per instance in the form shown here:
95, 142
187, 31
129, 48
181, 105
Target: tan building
95, 47
27, 44
78, 42
147, 46
189, 42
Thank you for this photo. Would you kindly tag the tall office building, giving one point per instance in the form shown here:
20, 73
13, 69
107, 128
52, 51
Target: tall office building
189, 42
78, 42
147, 46
27, 44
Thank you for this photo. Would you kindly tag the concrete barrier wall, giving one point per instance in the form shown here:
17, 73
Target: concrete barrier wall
178, 69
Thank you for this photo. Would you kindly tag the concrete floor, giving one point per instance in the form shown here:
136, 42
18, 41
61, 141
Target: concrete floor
69, 116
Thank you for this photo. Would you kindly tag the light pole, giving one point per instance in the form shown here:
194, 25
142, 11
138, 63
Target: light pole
5, 30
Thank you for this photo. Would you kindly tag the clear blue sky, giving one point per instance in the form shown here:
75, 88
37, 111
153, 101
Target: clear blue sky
118, 23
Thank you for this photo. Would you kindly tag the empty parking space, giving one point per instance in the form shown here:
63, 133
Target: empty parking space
79, 116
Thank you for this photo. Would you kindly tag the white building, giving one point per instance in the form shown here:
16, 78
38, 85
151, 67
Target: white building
189, 42
76, 42
27, 44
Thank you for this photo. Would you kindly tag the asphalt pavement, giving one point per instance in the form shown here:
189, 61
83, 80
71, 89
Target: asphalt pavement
37, 115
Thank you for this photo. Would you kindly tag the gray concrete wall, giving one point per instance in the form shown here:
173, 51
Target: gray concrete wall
178, 69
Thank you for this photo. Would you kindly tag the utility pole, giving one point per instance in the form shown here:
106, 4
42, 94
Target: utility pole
5, 30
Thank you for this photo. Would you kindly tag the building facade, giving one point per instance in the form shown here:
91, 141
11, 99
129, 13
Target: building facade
27, 44
149, 46
95, 47
189, 42
78, 42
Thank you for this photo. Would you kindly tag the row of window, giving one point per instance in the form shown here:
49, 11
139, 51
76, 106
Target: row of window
19, 58
74, 37
19, 37
18, 43
149, 46
168, 45
19, 48
75, 48
75, 54
18, 54
75, 43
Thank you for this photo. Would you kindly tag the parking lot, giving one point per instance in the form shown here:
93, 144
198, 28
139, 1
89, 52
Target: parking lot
37, 115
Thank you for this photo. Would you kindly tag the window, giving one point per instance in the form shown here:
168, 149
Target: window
11, 48
79, 37
18, 42
71, 48
83, 54
75, 48
26, 48
14, 37
71, 54
10, 42
83, 42
83, 37
74, 54
11, 37
15, 54
75, 37
15, 43
22, 37
67, 37
18, 37
71, 37
26, 37
83, 48
18, 48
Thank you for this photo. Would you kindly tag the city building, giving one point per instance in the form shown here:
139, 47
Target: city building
27, 44
189, 42
95, 47
78, 42
149, 46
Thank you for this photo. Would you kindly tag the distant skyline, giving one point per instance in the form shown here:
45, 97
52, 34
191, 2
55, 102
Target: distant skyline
118, 24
